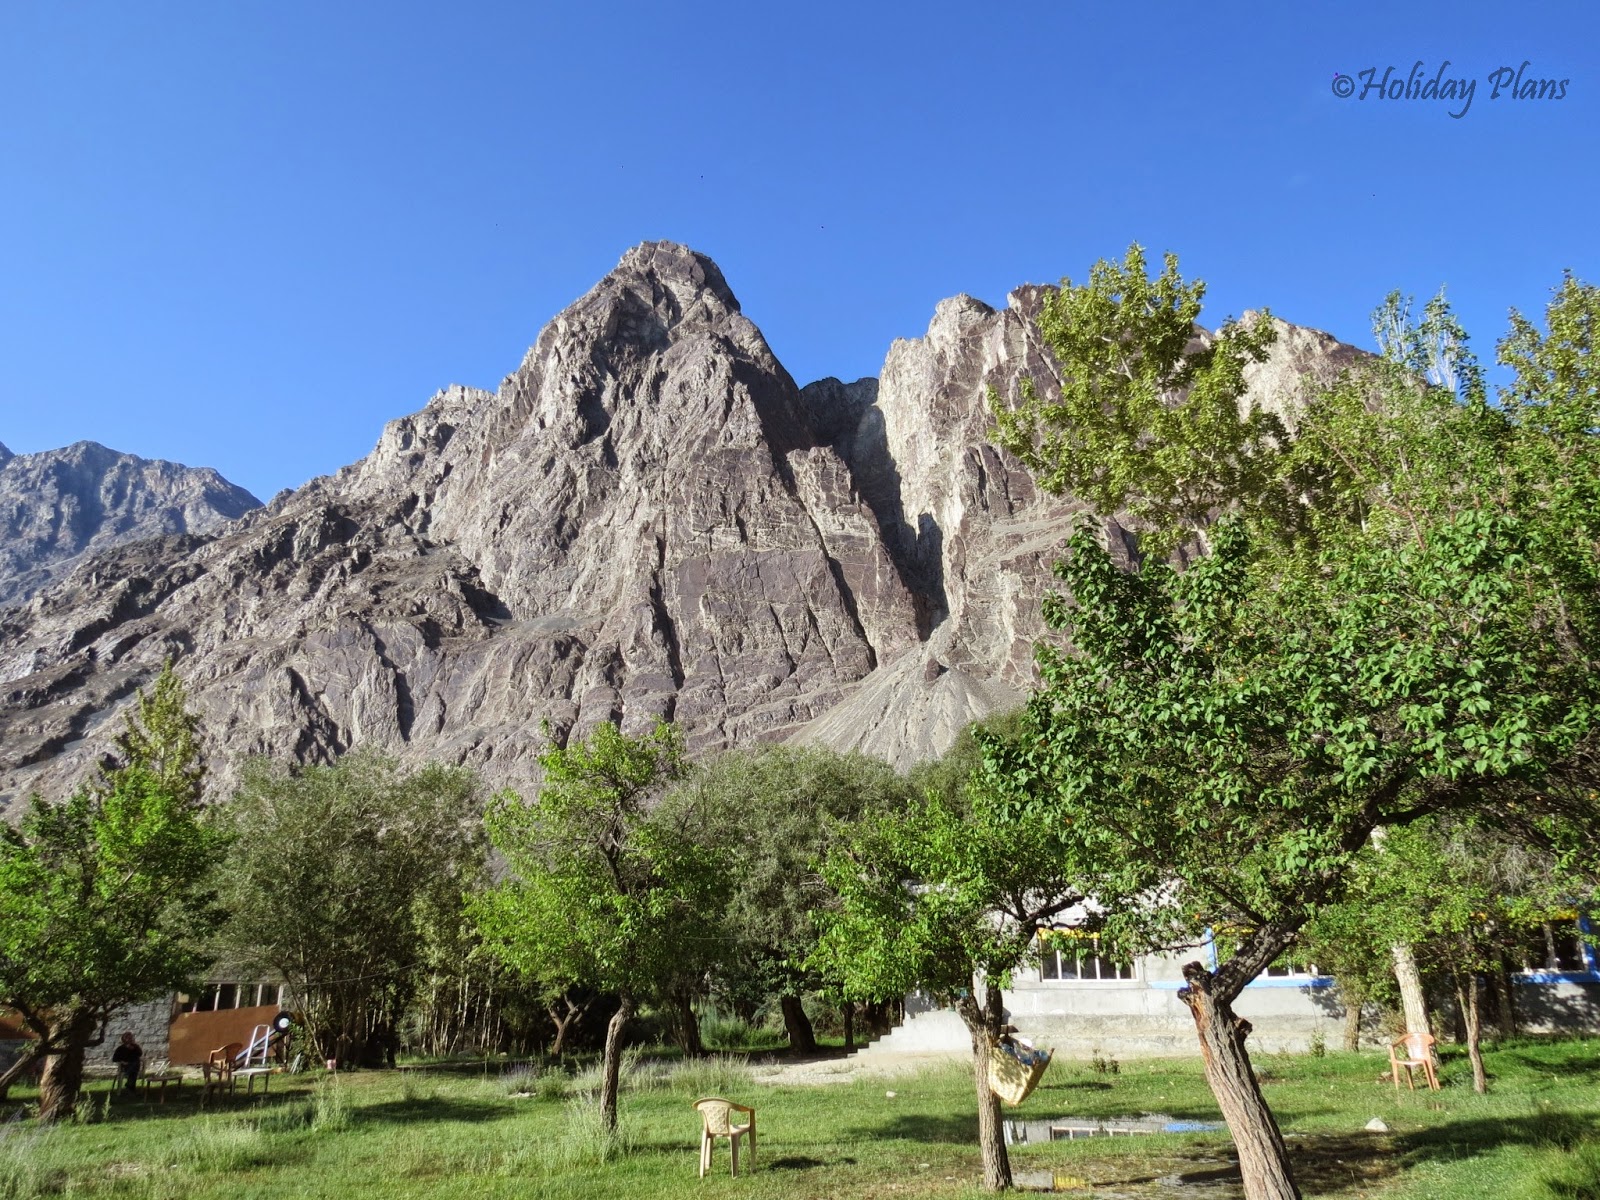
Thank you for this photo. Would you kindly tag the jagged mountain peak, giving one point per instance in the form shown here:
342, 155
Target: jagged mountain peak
647, 518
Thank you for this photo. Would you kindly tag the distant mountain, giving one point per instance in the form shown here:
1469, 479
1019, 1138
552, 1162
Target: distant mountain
60, 506
647, 519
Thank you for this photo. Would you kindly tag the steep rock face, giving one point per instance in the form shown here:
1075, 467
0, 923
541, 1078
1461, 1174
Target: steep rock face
646, 519
975, 535
640, 522
59, 506
976, 538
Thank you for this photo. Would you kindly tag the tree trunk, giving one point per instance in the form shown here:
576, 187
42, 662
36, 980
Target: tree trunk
564, 1015
31, 1053
1352, 1023
1472, 1018
63, 1066
877, 1017
1263, 1157
687, 1025
612, 1066
848, 1009
1413, 1000
802, 1038
983, 1021
1505, 1004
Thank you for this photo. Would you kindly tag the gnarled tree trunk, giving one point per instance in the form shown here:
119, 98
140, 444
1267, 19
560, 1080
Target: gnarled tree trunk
687, 1025
564, 1014
63, 1065
983, 1019
611, 1067
31, 1053
802, 1038
1263, 1157
1352, 1023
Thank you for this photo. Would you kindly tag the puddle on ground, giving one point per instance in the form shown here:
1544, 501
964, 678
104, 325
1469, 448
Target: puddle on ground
1220, 1180
1061, 1129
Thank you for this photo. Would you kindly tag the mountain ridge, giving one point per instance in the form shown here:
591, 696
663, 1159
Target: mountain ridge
57, 507
647, 518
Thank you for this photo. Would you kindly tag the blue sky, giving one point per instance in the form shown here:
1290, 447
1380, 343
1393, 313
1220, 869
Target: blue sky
246, 234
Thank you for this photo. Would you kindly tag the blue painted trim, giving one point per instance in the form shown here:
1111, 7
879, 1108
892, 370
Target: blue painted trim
1314, 982
1309, 982
1532, 977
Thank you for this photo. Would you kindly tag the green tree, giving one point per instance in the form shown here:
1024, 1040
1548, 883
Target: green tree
1371, 640
337, 874
106, 898
1461, 893
607, 889
1145, 417
948, 897
778, 810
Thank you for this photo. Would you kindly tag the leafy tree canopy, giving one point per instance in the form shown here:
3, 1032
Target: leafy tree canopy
106, 897
337, 873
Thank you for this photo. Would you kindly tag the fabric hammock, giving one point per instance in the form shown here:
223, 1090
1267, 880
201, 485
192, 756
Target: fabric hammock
1015, 1069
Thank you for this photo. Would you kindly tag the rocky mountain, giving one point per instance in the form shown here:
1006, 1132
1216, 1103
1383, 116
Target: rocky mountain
61, 506
648, 518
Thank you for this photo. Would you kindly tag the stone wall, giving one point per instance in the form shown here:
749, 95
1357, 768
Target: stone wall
149, 1024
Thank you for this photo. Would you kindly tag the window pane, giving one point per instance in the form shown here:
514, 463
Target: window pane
1049, 966
1568, 955
1069, 963
227, 996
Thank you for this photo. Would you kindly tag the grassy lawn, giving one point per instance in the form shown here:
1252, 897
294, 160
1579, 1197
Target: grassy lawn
457, 1132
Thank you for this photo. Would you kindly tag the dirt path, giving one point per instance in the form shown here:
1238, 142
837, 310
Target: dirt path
807, 1072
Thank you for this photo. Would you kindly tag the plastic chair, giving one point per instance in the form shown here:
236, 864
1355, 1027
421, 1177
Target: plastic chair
716, 1115
218, 1069
1418, 1051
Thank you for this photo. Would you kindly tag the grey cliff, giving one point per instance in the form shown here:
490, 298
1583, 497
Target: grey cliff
648, 518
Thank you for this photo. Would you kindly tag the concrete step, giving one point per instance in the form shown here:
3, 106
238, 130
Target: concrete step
936, 1031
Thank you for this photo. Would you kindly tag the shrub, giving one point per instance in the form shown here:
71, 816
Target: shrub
713, 1075
521, 1081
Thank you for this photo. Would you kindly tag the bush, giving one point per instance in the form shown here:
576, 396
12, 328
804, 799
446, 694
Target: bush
552, 1085
521, 1081
714, 1075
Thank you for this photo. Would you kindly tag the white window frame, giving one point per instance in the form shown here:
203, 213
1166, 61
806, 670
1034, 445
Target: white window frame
1053, 945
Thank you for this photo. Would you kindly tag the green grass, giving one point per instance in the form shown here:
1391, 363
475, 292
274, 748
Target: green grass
467, 1133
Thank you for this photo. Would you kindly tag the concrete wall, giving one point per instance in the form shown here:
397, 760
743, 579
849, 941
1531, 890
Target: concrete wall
1144, 1015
